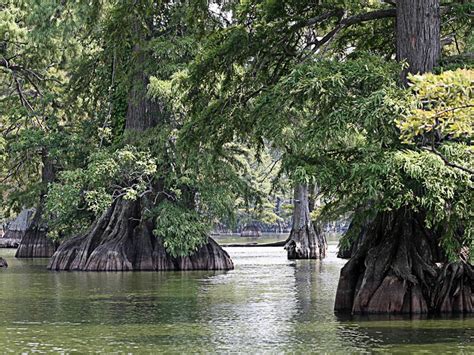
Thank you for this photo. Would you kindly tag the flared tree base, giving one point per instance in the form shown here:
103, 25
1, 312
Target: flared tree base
122, 241
35, 244
394, 270
308, 242
3, 263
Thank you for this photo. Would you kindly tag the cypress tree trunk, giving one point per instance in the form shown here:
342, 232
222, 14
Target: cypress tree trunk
122, 238
34, 242
15, 229
357, 236
418, 35
394, 268
306, 240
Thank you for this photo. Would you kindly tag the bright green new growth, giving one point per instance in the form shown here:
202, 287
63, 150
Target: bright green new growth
440, 159
444, 105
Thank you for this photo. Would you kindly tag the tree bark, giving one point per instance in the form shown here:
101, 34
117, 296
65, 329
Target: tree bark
142, 113
357, 234
306, 241
418, 35
122, 240
395, 270
3, 263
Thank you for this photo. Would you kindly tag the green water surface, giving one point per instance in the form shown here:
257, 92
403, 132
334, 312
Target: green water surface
266, 305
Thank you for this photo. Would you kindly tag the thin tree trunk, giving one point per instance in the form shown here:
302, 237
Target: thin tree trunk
306, 240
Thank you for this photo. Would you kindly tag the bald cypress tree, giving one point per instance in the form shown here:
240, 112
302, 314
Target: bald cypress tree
124, 236
394, 267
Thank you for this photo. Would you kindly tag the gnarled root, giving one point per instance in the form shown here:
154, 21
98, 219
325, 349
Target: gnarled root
394, 271
454, 288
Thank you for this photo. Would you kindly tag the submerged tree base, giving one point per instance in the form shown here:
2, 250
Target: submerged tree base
123, 241
308, 242
394, 270
35, 244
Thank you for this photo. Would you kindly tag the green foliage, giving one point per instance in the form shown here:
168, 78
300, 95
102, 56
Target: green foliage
181, 229
252, 95
346, 126
37, 43
444, 107
83, 194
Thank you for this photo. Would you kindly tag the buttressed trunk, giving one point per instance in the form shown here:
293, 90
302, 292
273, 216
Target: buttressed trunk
122, 238
394, 268
34, 242
306, 240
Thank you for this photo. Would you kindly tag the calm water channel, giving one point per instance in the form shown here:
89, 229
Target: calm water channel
267, 304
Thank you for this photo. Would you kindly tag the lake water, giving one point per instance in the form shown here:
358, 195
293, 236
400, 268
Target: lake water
266, 305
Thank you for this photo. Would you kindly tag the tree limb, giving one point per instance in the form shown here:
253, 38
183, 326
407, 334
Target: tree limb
448, 163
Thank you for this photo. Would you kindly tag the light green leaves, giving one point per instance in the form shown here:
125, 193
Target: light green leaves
443, 106
81, 195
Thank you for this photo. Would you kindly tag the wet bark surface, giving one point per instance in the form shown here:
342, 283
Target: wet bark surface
454, 288
307, 240
395, 270
121, 240
35, 244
